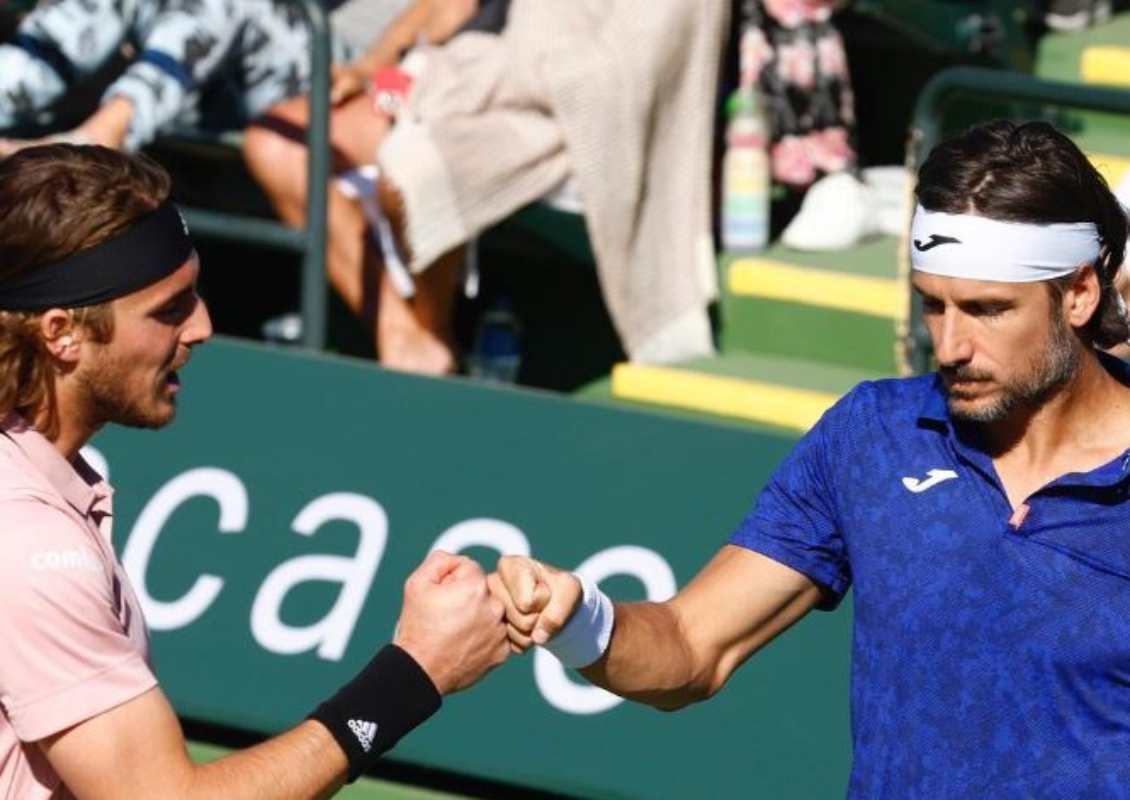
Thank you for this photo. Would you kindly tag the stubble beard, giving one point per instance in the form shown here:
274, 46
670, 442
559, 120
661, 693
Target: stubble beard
111, 398
1052, 369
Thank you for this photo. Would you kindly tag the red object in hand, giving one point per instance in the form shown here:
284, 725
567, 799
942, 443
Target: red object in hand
391, 86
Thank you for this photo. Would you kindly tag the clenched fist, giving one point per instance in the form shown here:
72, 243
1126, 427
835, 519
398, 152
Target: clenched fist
451, 623
539, 599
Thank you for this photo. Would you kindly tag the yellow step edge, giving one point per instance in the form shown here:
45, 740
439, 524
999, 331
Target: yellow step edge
775, 280
1112, 168
768, 403
1105, 64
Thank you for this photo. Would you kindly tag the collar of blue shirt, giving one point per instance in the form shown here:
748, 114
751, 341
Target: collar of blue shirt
935, 414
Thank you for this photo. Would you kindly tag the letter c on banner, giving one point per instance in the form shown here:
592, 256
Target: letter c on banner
228, 491
96, 460
659, 584
355, 574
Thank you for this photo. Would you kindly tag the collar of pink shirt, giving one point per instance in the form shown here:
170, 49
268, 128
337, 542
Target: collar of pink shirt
76, 482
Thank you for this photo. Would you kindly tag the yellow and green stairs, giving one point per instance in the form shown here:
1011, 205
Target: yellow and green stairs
800, 329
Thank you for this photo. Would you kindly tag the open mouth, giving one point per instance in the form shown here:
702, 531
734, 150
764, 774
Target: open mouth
172, 381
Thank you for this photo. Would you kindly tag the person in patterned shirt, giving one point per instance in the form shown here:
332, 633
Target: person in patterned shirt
196, 63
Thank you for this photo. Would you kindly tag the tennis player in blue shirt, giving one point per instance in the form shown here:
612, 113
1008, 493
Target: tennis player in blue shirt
980, 513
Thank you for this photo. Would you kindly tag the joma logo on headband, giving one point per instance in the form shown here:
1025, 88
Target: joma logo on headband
934, 241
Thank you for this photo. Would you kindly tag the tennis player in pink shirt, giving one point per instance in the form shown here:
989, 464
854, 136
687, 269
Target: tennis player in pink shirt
98, 314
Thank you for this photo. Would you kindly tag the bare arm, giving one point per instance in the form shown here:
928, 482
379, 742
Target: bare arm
109, 124
436, 21
668, 654
450, 625
138, 750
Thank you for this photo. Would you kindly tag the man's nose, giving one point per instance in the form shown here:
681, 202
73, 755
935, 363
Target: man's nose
952, 341
199, 327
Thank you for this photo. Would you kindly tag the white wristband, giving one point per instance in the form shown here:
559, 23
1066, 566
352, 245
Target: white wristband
585, 638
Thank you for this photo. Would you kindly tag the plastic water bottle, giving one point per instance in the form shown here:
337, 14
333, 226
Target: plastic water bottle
497, 353
745, 175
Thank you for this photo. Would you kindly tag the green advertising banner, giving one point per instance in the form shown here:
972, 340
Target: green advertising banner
269, 531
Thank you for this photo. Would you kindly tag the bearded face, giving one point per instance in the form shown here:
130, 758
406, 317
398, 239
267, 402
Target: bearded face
1035, 378
132, 379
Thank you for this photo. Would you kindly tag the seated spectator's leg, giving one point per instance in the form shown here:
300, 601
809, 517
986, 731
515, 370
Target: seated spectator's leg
275, 152
418, 337
275, 147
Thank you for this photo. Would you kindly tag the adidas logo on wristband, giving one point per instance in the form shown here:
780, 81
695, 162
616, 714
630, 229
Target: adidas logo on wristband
364, 731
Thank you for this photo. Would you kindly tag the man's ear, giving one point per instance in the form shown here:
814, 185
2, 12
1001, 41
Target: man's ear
1082, 296
61, 336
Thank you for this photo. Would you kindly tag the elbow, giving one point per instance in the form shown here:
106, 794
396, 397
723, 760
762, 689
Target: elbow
678, 702
702, 685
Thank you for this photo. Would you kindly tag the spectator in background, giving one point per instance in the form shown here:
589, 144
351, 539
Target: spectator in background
793, 52
200, 63
615, 95
408, 334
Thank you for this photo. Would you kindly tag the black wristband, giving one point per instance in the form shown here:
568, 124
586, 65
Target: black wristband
370, 714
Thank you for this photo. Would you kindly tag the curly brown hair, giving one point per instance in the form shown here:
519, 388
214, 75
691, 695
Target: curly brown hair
55, 201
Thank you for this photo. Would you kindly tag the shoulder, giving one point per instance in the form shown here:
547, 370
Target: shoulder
896, 399
874, 412
33, 515
39, 543
18, 479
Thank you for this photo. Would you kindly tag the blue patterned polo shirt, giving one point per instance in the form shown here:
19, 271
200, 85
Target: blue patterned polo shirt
989, 660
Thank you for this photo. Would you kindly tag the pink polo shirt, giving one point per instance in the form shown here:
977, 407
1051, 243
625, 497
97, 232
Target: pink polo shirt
73, 643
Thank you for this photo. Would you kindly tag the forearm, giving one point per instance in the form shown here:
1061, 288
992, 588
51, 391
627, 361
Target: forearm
650, 659
304, 762
671, 654
398, 37
109, 124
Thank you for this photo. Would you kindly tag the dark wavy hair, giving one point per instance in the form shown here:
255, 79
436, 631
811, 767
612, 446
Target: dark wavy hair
1032, 173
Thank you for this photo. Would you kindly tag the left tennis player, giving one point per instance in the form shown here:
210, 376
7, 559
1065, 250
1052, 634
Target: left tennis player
98, 314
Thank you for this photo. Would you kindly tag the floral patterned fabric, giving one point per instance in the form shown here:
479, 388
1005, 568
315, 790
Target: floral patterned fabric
791, 51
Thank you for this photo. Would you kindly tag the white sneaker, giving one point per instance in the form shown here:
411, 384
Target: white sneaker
1072, 16
838, 211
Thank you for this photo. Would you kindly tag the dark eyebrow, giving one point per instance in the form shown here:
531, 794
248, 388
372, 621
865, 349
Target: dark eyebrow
987, 304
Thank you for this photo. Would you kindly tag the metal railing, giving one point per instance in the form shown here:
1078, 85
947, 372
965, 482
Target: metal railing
309, 241
994, 85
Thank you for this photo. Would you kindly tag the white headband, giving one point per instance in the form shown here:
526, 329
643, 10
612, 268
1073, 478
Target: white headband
968, 246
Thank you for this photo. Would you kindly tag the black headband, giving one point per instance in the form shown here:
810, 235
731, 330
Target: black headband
154, 247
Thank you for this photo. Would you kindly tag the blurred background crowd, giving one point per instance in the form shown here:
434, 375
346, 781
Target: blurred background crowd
520, 189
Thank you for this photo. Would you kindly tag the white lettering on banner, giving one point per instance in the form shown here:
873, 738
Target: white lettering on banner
507, 539
223, 487
330, 634
659, 584
96, 460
